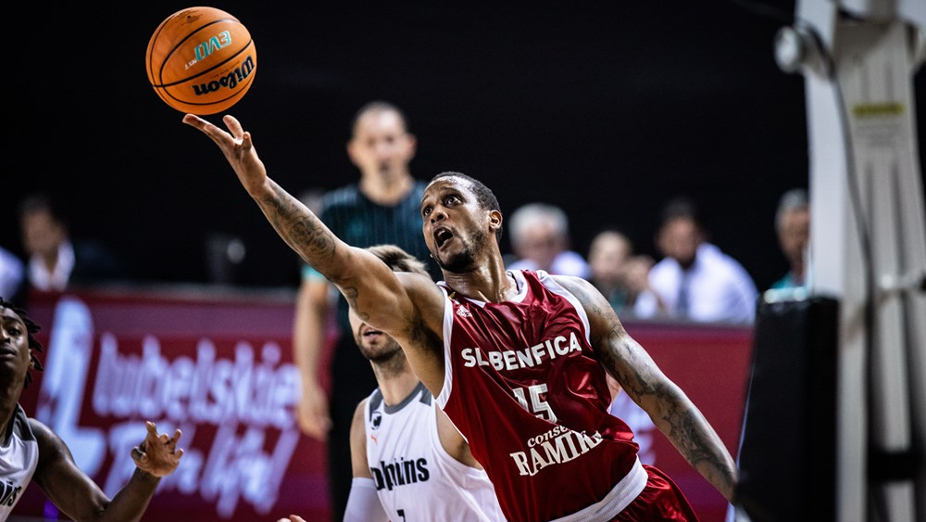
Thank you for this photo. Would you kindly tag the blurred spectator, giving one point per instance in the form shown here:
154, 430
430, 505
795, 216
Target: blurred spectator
57, 261
695, 280
607, 258
636, 279
620, 275
792, 223
11, 275
540, 240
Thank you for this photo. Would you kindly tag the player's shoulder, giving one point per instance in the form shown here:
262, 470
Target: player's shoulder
361, 408
47, 439
419, 284
583, 290
37, 427
371, 401
427, 296
572, 283
20, 426
359, 414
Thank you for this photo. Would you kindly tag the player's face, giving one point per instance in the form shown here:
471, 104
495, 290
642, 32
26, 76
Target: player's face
14, 347
380, 145
454, 224
375, 345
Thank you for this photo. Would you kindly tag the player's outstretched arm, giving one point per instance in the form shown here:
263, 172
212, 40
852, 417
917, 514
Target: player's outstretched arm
238, 149
370, 287
81, 499
293, 221
667, 405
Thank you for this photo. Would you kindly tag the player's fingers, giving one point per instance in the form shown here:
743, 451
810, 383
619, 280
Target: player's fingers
234, 126
195, 121
216, 134
139, 456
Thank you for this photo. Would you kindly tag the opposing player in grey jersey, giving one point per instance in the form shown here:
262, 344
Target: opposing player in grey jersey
409, 461
30, 450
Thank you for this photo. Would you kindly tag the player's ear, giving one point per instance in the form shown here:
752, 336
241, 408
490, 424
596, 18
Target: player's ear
495, 220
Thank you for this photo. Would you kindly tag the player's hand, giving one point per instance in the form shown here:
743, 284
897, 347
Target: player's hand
292, 518
157, 454
238, 149
312, 412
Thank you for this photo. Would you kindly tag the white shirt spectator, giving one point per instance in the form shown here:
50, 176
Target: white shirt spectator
717, 287
565, 263
45, 280
11, 274
540, 239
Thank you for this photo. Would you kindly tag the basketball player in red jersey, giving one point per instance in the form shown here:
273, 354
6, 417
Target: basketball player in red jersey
517, 359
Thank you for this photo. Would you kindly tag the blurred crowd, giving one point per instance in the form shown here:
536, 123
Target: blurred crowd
690, 278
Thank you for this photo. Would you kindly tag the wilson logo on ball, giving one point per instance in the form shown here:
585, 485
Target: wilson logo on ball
201, 60
230, 81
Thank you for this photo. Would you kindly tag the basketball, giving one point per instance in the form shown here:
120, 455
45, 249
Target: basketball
201, 60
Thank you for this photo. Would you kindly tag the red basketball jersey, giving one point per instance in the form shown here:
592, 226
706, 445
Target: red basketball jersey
522, 384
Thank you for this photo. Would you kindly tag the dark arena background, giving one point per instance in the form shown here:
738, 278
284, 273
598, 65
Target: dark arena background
605, 110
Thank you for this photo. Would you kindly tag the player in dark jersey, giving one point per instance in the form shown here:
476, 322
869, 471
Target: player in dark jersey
517, 359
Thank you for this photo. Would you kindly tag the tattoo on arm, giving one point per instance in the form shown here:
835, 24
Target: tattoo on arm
681, 421
644, 382
304, 233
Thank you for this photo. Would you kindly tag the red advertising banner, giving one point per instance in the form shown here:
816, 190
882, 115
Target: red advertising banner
218, 365
711, 364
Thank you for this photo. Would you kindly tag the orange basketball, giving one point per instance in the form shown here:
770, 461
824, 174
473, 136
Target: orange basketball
201, 60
